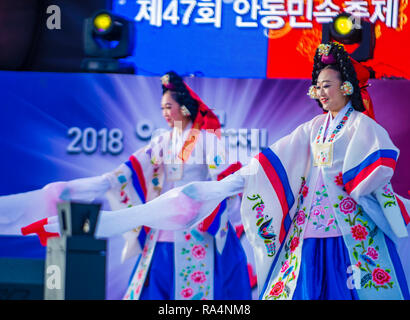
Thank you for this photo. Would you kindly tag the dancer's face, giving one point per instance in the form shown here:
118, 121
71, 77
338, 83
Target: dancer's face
171, 111
328, 89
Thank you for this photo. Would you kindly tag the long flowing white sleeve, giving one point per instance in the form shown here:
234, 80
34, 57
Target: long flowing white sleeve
19, 210
177, 209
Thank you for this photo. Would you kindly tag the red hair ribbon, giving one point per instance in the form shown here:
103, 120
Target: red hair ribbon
363, 75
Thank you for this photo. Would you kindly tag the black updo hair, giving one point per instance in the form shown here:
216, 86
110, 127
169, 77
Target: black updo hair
346, 69
180, 94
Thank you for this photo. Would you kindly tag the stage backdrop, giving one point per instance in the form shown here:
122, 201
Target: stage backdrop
62, 126
257, 38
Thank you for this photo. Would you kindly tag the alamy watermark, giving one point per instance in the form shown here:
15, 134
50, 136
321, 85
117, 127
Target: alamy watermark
353, 281
54, 17
53, 281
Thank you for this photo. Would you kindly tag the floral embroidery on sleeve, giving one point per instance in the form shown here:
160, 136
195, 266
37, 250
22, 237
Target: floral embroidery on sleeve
290, 259
390, 198
264, 224
366, 250
123, 181
195, 274
280, 288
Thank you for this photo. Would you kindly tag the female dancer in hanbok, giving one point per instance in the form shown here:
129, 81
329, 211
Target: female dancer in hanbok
325, 193
202, 262
317, 207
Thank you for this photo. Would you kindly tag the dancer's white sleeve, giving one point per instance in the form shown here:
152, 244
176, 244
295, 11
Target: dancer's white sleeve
176, 209
22, 209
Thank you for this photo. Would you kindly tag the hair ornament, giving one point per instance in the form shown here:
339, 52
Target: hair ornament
324, 49
312, 93
166, 82
185, 112
324, 52
347, 88
329, 59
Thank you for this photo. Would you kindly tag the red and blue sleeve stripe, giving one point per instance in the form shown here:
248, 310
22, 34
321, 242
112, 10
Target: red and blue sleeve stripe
137, 176
212, 223
404, 213
278, 178
382, 157
216, 221
138, 182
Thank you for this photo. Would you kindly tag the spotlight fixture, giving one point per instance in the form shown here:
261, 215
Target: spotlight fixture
349, 30
102, 23
107, 39
345, 30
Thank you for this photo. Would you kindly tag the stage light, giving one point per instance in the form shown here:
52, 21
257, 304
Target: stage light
346, 29
343, 25
102, 22
107, 39
350, 30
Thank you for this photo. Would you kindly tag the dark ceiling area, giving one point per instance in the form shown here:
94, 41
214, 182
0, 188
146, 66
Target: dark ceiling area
27, 43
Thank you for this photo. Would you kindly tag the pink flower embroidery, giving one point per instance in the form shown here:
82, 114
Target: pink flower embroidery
260, 208
198, 277
198, 252
339, 179
277, 289
187, 237
125, 200
187, 292
259, 211
302, 186
140, 274
294, 244
348, 205
387, 190
358, 264
318, 210
330, 221
137, 291
145, 251
380, 276
372, 253
359, 232
300, 219
285, 266
305, 191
